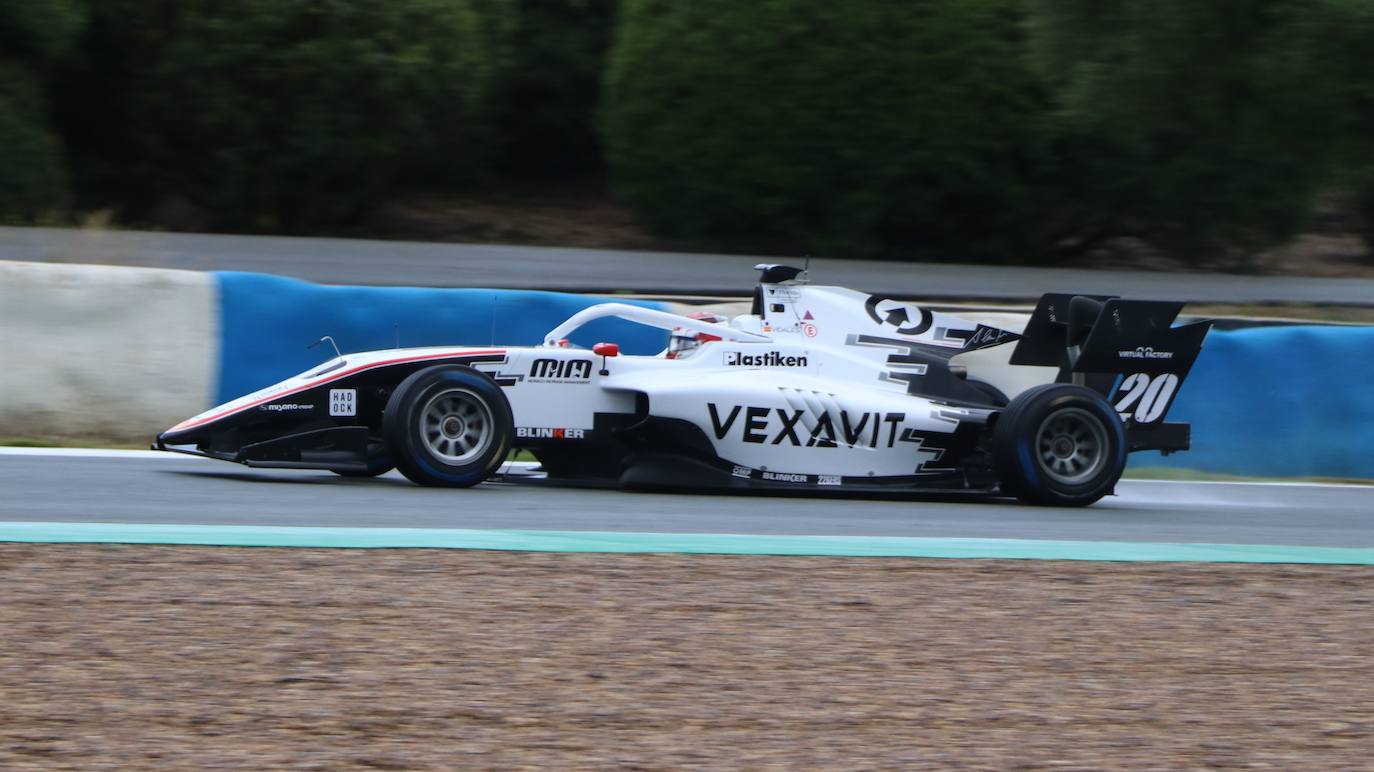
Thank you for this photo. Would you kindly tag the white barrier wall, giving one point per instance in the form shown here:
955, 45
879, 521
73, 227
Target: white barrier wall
104, 352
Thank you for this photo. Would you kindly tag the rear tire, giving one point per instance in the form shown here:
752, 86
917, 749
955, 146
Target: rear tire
1059, 445
448, 425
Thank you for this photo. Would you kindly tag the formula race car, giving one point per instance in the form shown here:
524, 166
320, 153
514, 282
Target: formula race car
817, 389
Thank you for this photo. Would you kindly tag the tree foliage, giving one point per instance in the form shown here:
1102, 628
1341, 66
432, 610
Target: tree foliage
1339, 35
1012, 130
987, 128
544, 105
806, 125
1205, 128
38, 32
280, 113
33, 175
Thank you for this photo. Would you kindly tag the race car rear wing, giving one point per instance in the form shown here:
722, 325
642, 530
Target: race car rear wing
1128, 350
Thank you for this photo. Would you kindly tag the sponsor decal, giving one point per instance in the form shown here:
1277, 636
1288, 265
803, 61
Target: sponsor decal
783, 293
763, 474
343, 402
798, 478
766, 359
1145, 352
783, 426
987, 337
790, 477
805, 328
561, 371
288, 407
549, 433
891, 313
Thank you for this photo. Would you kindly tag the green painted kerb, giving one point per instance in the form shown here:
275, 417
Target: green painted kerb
694, 543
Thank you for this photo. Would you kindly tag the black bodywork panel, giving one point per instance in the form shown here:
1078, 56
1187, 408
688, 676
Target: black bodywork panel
1099, 340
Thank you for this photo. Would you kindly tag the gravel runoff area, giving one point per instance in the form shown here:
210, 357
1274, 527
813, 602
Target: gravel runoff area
120, 657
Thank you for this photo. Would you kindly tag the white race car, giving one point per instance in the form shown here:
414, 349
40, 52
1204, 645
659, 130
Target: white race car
817, 389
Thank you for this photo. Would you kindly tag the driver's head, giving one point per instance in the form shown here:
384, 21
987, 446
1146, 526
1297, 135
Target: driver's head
683, 341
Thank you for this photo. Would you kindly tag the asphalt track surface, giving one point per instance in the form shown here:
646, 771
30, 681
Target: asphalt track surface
166, 489
399, 263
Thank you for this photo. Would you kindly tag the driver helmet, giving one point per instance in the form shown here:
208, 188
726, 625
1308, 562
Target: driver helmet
683, 341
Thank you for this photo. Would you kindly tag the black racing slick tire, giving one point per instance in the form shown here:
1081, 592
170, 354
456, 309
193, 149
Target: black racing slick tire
448, 425
1059, 445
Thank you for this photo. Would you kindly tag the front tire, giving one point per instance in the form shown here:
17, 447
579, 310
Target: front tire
1059, 445
448, 425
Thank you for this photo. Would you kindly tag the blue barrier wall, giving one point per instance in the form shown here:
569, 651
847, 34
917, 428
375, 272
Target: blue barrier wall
1273, 402
266, 322
1279, 402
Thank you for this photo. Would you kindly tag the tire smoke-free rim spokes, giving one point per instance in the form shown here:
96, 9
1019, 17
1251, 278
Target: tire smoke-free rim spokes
456, 426
1071, 446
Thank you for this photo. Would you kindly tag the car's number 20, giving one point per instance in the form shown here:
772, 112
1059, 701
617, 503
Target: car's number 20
1148, 395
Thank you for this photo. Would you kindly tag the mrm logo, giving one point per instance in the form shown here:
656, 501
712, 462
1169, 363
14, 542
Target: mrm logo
778, 426
561, 371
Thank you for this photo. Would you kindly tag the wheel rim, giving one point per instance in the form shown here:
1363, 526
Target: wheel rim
456, 426
1071, 446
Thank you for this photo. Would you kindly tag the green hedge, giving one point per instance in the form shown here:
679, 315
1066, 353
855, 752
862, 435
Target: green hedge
1340, 33
32, 172
1013, 130
859, 128
544, 106
33, 176
1204, 128
984, 128
38, 32
281, 114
